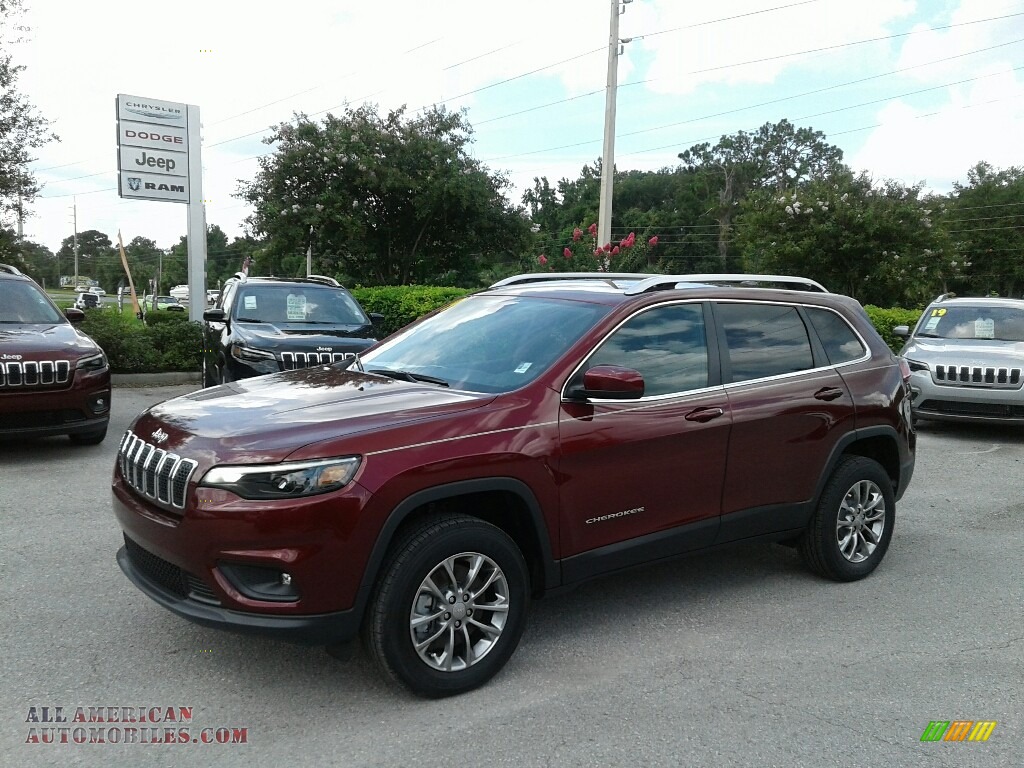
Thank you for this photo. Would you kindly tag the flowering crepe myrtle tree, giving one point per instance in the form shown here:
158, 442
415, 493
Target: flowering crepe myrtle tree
383, 199
583, 254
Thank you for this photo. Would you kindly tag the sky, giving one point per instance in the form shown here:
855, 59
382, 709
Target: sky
913, 90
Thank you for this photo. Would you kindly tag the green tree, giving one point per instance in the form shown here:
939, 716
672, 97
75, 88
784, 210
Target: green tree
175, 267
22, 128
877, 243
382, 200
985, 222
778, 156
96, 255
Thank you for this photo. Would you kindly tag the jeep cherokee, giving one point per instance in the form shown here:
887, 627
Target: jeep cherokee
529, 437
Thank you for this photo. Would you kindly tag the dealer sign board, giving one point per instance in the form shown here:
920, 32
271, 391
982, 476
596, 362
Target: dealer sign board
152, 149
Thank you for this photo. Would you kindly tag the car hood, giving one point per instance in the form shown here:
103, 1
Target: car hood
974, 352
264, 419
44, 342
287, 336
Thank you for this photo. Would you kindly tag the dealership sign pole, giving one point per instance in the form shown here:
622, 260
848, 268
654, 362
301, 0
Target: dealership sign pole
159, 158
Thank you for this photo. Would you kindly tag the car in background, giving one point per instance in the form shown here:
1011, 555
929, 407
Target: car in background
269, 324
97, 291
966, 359
88, 300
54, 380
180, 292
527, 438
212, 296
165, 304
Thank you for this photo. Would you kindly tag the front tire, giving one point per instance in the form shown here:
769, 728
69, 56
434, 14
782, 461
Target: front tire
852, 525
449, 608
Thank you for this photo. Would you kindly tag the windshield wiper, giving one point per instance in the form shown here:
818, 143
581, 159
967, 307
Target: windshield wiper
248, 320
926, 335
407, 376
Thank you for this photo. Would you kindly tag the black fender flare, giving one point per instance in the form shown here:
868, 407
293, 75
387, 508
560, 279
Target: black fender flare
849, 439
551, 572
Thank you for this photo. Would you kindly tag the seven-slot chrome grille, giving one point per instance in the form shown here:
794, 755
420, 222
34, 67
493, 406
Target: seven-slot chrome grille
34, 373
293, 360
154, 472
978, 376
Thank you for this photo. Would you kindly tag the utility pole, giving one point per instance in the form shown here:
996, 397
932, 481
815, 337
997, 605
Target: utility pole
74, 210
309, 253
604, 214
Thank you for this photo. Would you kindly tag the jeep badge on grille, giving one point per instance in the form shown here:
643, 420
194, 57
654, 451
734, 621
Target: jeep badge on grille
159, 437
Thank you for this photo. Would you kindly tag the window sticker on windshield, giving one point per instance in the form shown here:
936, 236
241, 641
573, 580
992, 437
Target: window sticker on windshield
933, 321
984, 328
249, 302
296, 307
938, 312
523, 367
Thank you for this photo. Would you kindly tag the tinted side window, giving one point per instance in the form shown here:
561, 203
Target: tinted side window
764, 340
840, 342
667, 345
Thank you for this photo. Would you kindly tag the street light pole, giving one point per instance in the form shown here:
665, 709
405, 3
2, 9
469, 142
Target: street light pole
604, 214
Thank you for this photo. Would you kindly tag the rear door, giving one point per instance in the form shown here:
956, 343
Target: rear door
789, 408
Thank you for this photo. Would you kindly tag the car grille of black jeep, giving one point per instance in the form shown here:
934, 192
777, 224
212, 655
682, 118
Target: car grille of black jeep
35, 373
978, 376
293, 360
984, 410
154, 472
169, 576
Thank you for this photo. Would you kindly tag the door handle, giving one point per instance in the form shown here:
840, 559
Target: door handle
704, 414
828, 393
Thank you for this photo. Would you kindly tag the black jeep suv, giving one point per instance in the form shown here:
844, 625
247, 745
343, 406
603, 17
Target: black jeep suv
54, 380
269, 324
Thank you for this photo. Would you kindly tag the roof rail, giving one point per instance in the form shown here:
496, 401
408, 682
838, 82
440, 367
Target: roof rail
324, 279
543, 277
668, 282
944, 296
10, 270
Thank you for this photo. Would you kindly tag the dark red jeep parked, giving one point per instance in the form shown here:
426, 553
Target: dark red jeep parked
524, 439
54, 380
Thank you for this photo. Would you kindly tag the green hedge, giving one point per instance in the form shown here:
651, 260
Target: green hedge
885, 320
402, 304
167, 344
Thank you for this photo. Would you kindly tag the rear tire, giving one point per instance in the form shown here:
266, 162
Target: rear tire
449, 607
852, 525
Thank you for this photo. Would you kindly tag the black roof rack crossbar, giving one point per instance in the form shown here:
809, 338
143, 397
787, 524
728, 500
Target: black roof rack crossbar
668, 282
542, 277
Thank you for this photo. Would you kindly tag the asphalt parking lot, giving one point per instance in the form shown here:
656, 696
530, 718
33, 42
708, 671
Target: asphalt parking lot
738, 658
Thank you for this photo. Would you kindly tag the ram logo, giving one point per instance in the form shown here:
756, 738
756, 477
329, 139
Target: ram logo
134, 183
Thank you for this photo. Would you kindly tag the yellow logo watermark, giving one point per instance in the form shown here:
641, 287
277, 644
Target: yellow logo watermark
958, 730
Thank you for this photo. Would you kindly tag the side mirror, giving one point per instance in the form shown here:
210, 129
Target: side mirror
215, 316
903, 331
610, 382
376, 318
74, 315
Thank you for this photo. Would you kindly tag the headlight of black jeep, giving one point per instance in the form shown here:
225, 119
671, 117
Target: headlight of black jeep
916, 366
92, 363
283, 481
250, 355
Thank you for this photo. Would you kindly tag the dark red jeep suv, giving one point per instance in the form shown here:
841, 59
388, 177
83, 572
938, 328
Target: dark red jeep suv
54, 380
529, 437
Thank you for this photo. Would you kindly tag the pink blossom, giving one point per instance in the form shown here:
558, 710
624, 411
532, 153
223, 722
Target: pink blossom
653, 241
607, 247
592, 229
567, 253
542, 260
577, 234
615, 251
599, 252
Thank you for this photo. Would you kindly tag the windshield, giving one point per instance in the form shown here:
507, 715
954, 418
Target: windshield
487, 343
969, 322
22, 302
308, 304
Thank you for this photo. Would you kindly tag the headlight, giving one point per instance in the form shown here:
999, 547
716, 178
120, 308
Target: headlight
249, 355
283, 481
916, 366
92, 363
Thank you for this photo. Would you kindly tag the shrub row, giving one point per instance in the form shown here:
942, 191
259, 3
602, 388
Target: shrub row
169, 342
401, 304
885, 320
